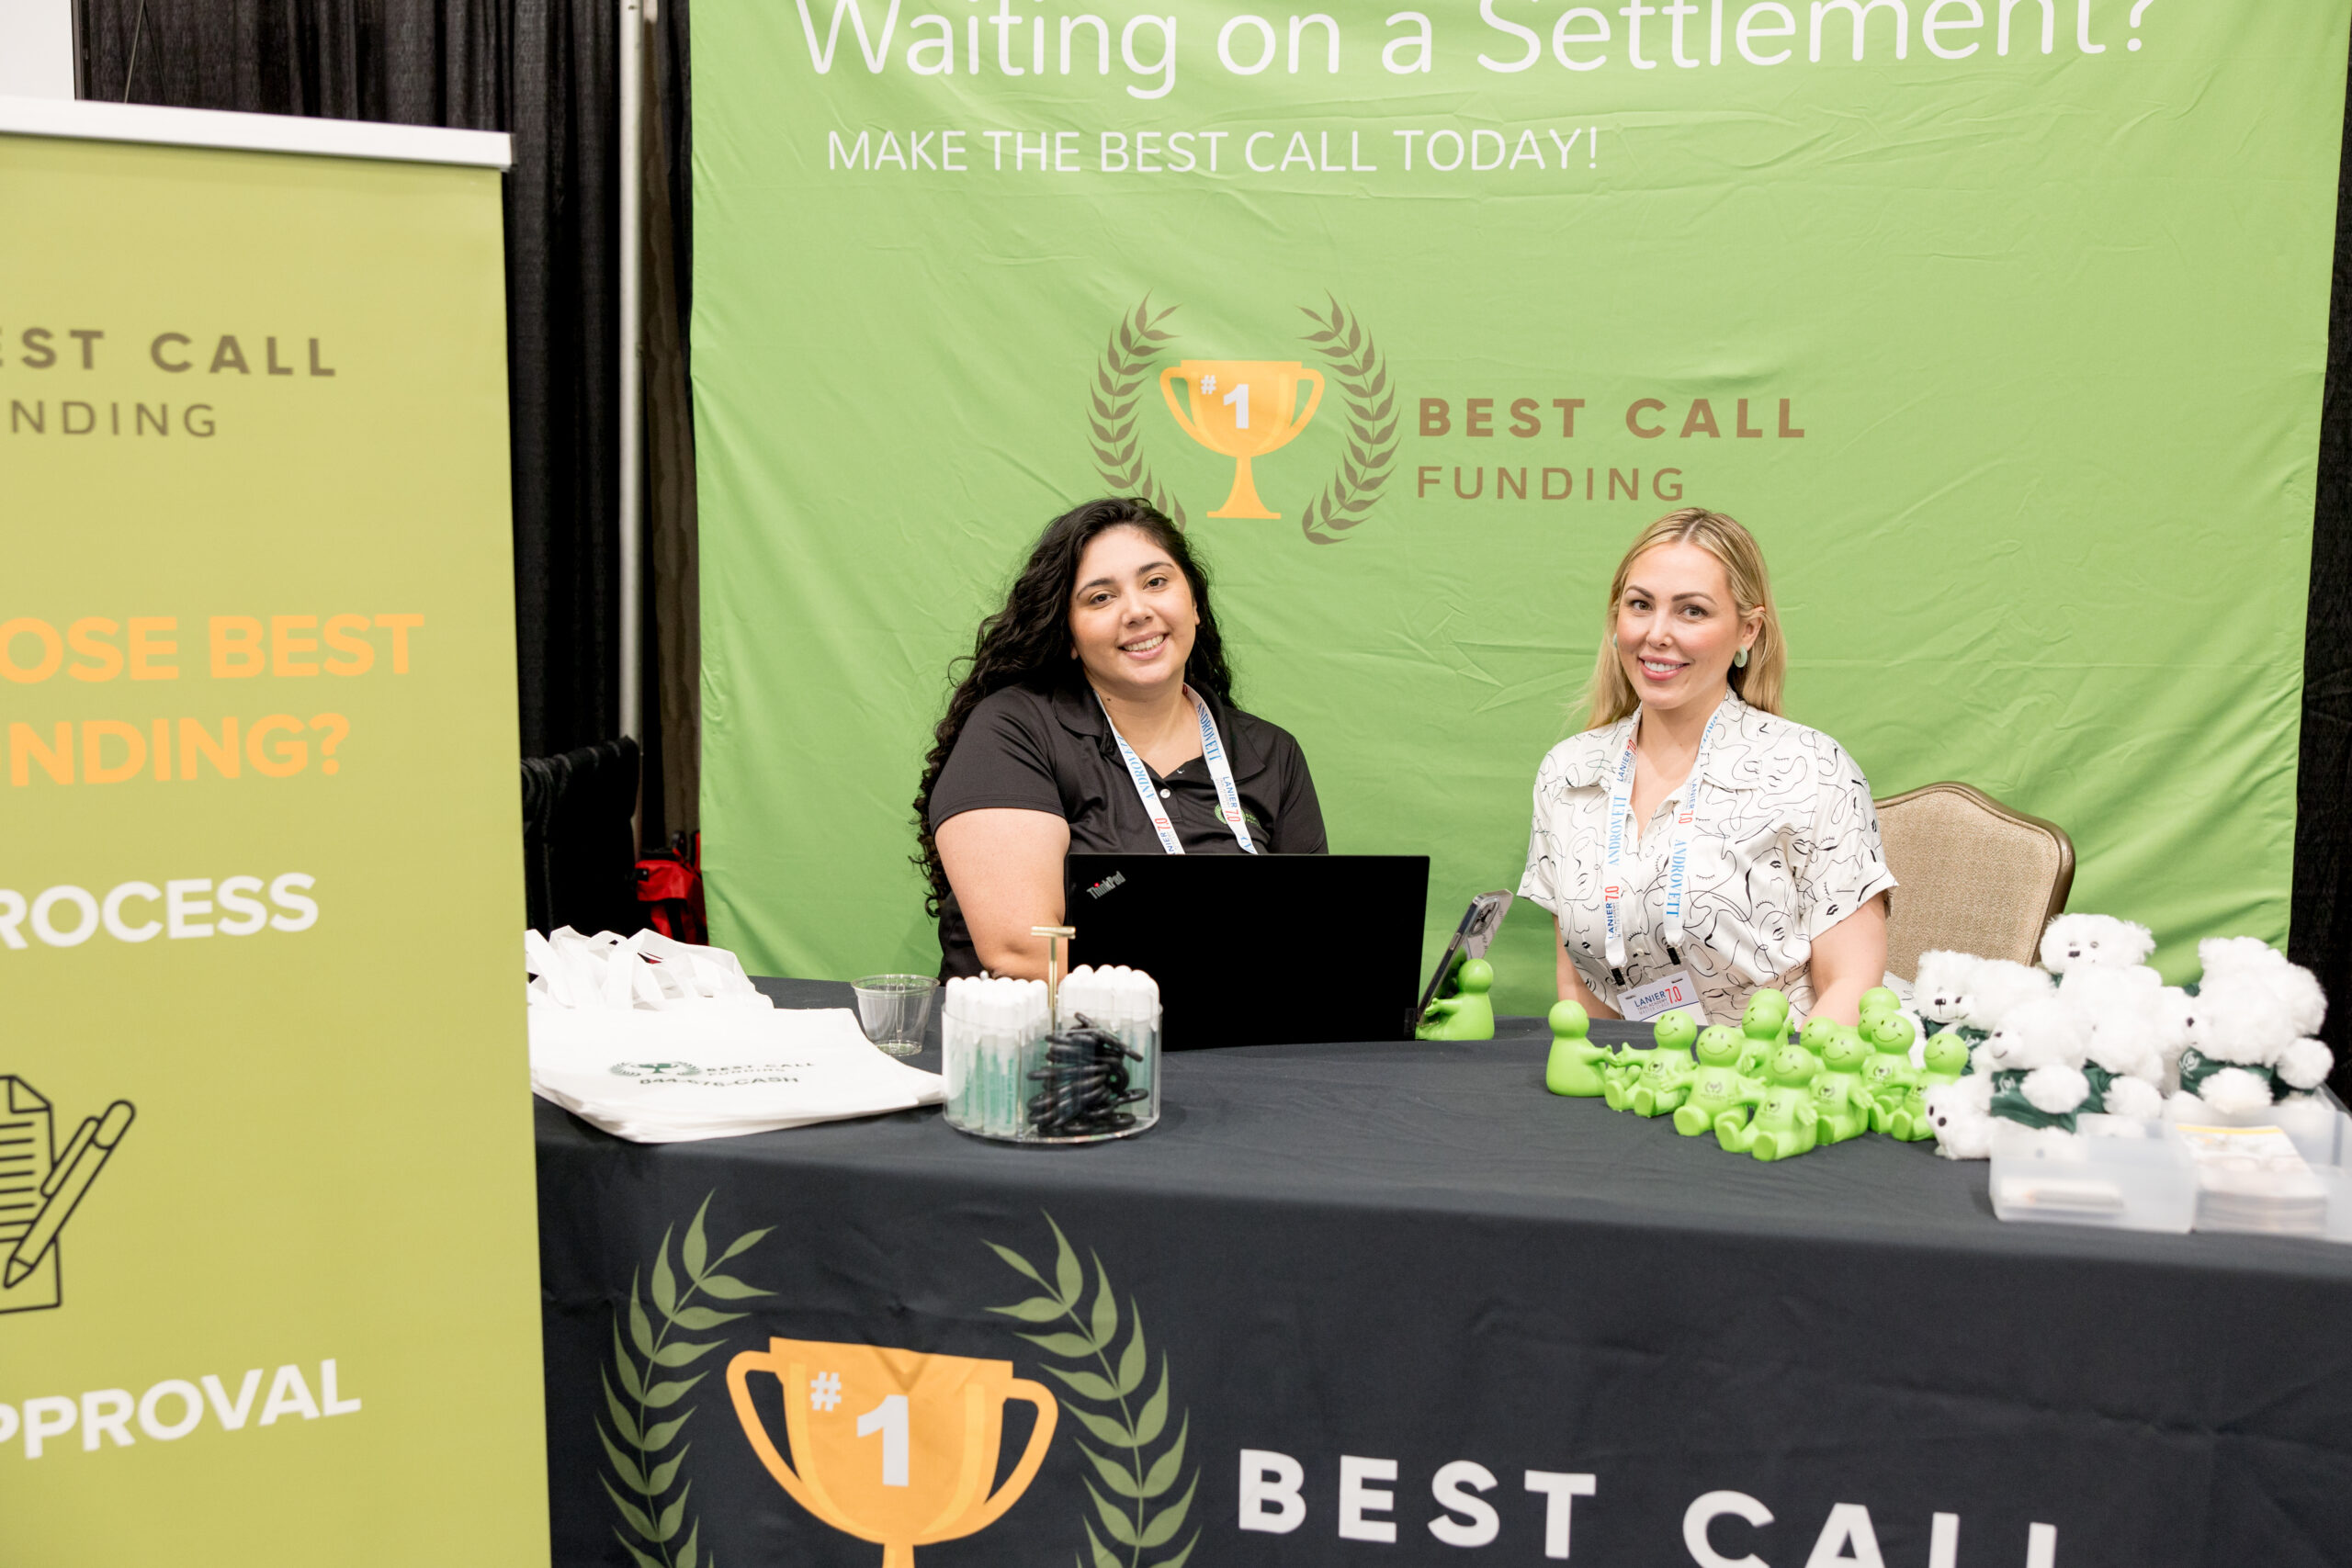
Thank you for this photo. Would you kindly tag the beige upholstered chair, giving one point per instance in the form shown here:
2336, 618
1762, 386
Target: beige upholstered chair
1976, 875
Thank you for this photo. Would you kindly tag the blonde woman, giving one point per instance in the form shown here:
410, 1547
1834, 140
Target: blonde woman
1693, 845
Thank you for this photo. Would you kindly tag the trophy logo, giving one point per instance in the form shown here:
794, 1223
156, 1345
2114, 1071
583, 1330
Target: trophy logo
1219, 391
1246, 409
893, 1446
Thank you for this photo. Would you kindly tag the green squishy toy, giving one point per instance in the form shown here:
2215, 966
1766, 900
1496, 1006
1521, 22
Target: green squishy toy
1957, 1043
1889, 1073
1665, 1078
1783, 1125
1765, 1025
1575, 1065
1469, 1013
1661, 1034
1877, 999
1817, 1033
1716, 1087
1947, 1061
1675, 1031
1626, 1064
1840, 1107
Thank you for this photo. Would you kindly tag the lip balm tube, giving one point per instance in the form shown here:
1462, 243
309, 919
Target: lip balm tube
998, 1037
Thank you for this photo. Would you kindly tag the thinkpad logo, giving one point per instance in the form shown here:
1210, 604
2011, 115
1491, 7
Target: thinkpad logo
1116, 879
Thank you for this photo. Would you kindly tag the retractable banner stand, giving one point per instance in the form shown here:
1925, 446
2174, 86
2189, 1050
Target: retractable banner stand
2000, 321
267, 1262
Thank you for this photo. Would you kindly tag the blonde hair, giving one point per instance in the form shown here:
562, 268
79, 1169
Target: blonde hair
1759, 684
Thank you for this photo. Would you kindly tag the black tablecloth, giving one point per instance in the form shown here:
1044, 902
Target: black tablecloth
1380, 1260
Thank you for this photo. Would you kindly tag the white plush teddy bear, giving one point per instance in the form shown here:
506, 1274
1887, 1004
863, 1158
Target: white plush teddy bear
2047, 1041
1963, 1126
1944, 992
2250, 958
2123, 1013
2095, 942
2275, 1007
1999, 988
2245, 1026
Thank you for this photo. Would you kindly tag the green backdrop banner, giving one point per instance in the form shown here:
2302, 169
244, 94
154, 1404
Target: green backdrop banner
268, 1285
2000, 321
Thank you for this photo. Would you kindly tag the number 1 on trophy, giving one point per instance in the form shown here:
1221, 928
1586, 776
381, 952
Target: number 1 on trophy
890, 1418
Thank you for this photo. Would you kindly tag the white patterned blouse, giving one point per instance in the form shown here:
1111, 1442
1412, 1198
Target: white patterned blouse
1784, 845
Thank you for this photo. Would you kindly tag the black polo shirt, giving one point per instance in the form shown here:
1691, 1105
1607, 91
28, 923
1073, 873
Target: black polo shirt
1049, 749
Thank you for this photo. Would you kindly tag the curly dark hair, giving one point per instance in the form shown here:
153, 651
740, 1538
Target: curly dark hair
1028, 640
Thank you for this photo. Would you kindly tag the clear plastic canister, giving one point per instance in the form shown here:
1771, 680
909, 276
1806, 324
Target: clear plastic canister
1009, 1077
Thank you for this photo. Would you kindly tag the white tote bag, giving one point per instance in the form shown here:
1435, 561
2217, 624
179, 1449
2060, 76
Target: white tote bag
659, 1042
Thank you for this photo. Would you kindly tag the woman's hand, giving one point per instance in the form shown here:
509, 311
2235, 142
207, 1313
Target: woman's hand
1005, 865
1572, 986
1849, 959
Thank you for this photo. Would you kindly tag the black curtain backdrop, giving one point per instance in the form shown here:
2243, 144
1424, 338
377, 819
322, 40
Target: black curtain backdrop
544, 70
672, 701
2321, 931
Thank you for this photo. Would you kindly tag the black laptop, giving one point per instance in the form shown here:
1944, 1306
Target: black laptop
1258, 950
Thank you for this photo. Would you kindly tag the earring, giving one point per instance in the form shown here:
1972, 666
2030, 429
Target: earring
1613, 642
1739, 659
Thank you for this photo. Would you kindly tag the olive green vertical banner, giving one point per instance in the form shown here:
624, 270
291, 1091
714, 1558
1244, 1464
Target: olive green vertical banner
266, 1214
2000, 321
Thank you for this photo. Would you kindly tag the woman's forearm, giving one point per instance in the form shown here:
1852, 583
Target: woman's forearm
1006, 868
1841, 1002
1849, 959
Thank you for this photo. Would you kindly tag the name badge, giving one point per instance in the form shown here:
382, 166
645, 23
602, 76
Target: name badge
1675, 992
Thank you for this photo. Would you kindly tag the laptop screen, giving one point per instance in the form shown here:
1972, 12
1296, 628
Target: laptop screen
1258, 950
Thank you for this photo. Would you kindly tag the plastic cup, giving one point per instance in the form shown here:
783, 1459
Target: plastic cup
894, 1009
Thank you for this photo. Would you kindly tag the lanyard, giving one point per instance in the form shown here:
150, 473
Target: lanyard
1621, 802
1229, 798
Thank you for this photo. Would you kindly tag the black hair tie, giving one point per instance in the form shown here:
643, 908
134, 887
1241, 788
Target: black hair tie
1086, 1084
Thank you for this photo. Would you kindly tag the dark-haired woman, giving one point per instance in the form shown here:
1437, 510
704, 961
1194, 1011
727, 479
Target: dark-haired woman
1097, 716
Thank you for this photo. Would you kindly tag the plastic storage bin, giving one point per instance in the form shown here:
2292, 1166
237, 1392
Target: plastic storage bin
2118, 1173
2140, 1175
2336, 1180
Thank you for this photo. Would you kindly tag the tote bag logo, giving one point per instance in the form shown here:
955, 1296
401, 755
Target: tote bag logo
1248, 409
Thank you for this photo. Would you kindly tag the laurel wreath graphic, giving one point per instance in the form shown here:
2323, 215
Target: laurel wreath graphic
642, 1481
1132, 1481
1363, 375
1119, 381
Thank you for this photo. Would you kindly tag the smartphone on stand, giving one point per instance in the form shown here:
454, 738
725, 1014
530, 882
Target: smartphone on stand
1471, 940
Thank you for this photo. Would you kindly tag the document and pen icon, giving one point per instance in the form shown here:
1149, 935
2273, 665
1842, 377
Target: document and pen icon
41, 1188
